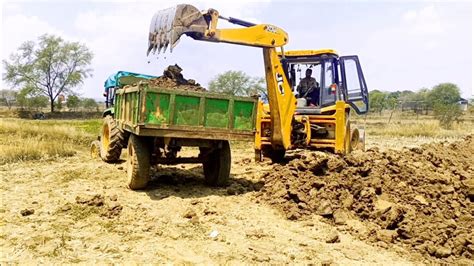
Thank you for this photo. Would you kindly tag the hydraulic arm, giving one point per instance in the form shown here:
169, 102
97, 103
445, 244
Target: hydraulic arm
168, 25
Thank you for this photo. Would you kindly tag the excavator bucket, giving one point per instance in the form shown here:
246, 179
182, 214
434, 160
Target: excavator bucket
169, 24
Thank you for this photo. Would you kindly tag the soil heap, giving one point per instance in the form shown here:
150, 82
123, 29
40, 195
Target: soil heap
419, 198
172, 78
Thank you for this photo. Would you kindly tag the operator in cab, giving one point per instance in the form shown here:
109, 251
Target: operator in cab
309, 89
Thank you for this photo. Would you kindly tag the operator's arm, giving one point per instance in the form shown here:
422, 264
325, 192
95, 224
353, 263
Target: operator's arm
313, 83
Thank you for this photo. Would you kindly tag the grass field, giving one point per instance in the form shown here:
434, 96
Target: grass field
412, 126
23, 140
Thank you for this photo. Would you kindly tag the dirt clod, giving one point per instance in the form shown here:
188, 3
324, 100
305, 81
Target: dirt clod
27, 212
91, 200
333, 237
189, 213
405, 197
340, 217
443, 252
113, 210
113, 197
386, 236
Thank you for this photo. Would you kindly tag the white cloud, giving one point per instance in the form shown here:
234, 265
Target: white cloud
410, 15
119, 40
426, 21
416, 52
404, 55
17, 29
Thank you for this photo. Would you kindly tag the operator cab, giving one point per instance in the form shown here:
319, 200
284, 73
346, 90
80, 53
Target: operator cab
337, 78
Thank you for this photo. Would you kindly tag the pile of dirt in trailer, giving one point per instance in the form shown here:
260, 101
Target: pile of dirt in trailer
173, 79
418, 198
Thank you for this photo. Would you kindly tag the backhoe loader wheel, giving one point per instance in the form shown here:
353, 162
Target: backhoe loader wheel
95, 149
258, 156
355, 139
347, 139
361, 144
276, 156
138, 162
111, 140
217, 165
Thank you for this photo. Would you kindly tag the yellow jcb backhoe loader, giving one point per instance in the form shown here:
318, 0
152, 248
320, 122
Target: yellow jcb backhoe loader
286, 122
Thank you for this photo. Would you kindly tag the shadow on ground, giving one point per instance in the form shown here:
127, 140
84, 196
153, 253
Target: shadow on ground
189, 183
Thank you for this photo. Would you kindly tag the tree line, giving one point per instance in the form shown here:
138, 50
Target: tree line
442, 100
23, 99
48, 70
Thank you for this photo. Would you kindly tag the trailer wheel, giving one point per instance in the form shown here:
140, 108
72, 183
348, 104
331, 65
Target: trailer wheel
217, 166
111, 140
138, 162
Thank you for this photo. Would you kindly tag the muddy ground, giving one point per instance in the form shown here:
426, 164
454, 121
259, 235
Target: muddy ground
367, 208
419, 198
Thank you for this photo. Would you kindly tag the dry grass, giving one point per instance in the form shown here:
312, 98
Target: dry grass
23, 140
413, 127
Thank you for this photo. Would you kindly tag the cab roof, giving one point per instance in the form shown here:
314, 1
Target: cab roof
296, 53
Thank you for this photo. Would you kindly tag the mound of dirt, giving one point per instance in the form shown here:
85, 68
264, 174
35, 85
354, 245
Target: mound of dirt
172, 78
418, 198
111, 210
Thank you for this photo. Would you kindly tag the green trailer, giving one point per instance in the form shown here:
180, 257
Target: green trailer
154, 123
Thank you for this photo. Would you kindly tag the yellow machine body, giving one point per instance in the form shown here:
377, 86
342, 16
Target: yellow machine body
280, 124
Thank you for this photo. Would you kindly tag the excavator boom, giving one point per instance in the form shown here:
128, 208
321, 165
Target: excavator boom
168, 25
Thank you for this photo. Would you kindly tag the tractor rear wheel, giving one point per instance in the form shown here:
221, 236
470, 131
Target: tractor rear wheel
111, 140
138, 162
217, 165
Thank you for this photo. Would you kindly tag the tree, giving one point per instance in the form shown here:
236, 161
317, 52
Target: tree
392, 100
377, 101
237, 83
37, 102
8, 97
444, 99
73, 101
50, 67
26, 99
89, 103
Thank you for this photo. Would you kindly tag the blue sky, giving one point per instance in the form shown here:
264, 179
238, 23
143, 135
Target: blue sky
401, 45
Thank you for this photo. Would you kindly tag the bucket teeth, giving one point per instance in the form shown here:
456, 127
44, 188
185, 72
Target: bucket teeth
169, 24
161, 27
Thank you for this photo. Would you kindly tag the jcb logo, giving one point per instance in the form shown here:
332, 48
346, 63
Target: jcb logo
271, 28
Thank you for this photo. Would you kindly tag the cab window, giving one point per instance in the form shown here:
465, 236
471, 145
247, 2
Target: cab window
328, 96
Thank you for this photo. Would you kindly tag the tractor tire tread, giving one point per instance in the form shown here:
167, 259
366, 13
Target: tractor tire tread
112, 152
138, 163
